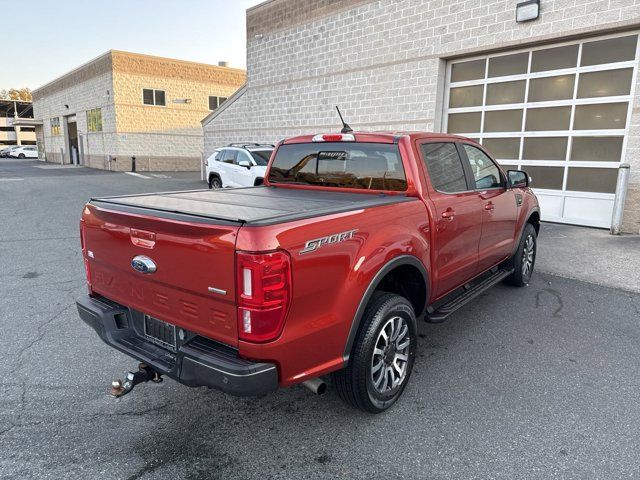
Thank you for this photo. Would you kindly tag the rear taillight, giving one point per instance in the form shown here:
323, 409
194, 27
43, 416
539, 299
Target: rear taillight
264, 293
85, 256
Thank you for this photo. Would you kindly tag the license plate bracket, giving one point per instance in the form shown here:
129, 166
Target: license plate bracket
161, 333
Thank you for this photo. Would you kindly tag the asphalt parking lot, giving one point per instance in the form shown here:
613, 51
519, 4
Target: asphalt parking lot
541, 382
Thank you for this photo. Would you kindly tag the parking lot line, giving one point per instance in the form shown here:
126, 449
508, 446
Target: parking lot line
138, 175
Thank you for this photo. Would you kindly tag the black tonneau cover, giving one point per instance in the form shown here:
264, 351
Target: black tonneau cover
251, 206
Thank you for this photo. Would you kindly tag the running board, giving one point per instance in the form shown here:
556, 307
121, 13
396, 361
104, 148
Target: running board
470, 292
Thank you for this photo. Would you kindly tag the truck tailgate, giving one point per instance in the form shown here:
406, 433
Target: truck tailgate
193, 286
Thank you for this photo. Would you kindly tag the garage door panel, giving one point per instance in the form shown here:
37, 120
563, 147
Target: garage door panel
597, 149
589, 211
550, 205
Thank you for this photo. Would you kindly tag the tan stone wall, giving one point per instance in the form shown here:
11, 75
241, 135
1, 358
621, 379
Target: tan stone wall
173, 130
169, 137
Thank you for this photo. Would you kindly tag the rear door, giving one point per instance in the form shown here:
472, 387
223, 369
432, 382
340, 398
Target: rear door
193, 285
499, 209
457, 217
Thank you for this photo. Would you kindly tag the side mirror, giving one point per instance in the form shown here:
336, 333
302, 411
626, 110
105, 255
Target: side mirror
518, 179
244, 163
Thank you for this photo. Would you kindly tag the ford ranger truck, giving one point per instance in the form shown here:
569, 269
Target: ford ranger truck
322, 270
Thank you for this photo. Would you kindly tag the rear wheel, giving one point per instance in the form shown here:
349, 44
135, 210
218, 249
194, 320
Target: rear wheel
524, 259
215, 182
382, 356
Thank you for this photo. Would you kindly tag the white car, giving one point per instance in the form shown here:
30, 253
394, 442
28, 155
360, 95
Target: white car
238, 165
28, 151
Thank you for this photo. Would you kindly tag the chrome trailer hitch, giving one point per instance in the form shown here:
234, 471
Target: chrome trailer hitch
144, 374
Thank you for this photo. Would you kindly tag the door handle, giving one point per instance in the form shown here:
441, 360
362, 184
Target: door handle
489, 206
448, 214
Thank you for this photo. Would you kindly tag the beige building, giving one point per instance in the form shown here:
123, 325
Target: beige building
557, 95
123, 105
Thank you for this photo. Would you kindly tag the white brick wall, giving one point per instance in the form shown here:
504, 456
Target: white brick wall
383, 63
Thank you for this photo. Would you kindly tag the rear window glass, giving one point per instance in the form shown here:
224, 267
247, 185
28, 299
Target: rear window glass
368, 166
261, 157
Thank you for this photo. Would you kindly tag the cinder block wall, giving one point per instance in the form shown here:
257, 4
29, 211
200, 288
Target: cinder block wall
89, 86
383, 63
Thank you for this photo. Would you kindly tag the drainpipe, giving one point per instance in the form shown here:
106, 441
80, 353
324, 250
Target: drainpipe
621, 195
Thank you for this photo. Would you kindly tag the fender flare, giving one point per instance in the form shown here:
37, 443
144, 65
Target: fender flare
377, 278
521, 229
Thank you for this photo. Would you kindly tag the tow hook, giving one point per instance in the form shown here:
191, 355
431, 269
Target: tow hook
144, 374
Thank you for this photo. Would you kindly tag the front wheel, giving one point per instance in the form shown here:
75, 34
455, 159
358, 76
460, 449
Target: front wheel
524, 259
21, 156
215, 182
382, 357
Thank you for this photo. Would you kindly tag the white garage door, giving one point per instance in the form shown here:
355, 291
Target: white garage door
561, 112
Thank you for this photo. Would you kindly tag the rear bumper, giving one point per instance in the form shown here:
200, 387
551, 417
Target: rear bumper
197, 361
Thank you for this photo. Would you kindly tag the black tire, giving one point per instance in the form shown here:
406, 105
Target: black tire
21, 155
355, 384
215, 182
526, 252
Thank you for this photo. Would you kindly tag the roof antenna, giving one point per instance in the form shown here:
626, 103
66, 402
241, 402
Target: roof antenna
345, 126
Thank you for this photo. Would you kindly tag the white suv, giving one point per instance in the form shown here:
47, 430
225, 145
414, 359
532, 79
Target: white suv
238, 165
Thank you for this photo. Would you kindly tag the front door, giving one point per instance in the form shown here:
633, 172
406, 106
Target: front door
498, 207
243, 176
227, 167
456, 211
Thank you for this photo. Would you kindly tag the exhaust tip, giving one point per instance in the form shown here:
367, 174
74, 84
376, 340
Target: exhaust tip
316, 385
322, 388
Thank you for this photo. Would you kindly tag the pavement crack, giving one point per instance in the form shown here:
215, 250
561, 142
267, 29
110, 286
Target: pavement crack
555, 294
41, 333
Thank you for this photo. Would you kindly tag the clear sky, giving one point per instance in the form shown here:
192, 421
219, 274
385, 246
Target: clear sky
43, 39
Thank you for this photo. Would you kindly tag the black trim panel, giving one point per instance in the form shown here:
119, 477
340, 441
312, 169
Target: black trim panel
198, 362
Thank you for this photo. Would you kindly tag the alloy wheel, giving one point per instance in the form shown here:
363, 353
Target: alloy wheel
528, 255
390, 355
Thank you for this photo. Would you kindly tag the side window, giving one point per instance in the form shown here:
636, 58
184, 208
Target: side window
244, 156
445, 167
230, 156
485, 172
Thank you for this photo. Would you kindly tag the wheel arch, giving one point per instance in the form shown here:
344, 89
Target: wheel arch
414, 287
534, 219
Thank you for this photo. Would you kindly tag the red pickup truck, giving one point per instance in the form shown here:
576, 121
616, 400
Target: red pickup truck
323, 269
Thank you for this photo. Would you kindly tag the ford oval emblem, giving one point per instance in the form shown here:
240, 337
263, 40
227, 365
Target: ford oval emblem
143, 264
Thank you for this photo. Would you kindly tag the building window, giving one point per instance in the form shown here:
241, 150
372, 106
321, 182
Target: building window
55, 126
216, 102
94, 120
153, 97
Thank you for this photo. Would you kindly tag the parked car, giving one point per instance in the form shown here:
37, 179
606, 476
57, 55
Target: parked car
28, 151
6, 150
238, 165
323, 270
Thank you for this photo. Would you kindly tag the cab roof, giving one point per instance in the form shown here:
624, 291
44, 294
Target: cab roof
379, 137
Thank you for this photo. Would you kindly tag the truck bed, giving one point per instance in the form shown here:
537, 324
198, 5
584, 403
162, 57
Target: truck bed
251, 206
